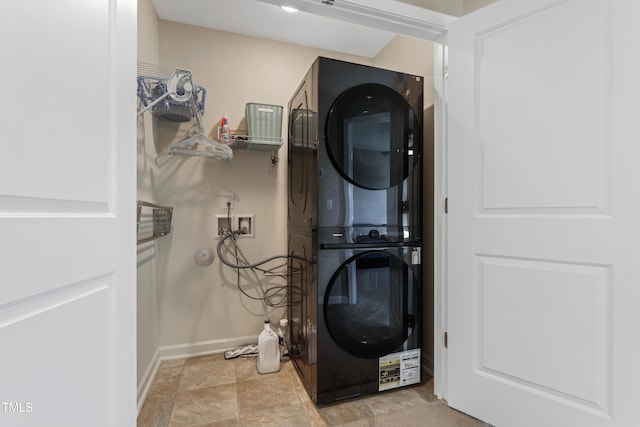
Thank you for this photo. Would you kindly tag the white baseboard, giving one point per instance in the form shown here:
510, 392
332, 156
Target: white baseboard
147, 378
201, 348
181, 351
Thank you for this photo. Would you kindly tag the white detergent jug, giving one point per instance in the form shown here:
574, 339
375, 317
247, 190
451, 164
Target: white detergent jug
268, 350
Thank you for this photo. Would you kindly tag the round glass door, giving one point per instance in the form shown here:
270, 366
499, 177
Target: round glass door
370, 135
368, 306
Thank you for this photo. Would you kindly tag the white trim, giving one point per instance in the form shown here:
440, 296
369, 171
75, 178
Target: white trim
440, 219
122, 201
183, 351
147, 379
389, 15
202, 348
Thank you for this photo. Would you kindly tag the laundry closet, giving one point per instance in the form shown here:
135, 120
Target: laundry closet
188, 309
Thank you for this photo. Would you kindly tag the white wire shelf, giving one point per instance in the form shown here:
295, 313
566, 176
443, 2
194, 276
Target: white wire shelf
153, 222
239, 140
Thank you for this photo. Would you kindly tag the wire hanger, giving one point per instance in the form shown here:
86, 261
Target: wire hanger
180, 88
197, 143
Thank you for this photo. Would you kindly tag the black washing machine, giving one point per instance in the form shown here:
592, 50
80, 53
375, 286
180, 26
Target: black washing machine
355, 231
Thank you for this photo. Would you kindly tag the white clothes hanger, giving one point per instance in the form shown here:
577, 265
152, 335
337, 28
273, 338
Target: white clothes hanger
197, 143
180, 88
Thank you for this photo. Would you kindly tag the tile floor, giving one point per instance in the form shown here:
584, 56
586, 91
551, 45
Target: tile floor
211, 391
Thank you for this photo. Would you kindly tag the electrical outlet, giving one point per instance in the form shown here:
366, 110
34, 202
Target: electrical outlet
246, 224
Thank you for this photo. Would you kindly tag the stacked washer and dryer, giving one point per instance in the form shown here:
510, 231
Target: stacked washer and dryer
355, 229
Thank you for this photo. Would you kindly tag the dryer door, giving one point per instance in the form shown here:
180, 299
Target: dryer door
370, 135
370, 305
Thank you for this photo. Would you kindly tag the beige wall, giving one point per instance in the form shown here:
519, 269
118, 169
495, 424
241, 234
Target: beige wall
450, 7
469, 6
410, 55
193, 308
202, 304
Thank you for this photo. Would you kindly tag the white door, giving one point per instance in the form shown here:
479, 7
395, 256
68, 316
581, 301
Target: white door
544, 213
67, 213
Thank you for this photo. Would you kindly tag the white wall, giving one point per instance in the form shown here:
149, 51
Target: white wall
185, 308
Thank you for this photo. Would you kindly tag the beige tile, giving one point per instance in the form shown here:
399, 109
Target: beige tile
223, 423
276, 416
315, 420
393, 401
172, 363
288, 368
368, 422
166, 381
436, 414
156, 411
426, 391
246, 369
200, 392
347, 412
207, 374
207, 358
265, 392
302, 393
205, 406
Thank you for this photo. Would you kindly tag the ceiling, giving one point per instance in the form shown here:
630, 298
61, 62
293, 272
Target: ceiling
268, 21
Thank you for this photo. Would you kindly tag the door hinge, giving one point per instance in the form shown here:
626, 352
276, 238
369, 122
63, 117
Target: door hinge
446, 340
446, 205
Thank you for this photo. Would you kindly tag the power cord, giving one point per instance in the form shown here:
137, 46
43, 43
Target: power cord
274, 296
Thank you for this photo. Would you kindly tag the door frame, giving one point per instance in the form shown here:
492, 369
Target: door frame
440, 224
389, 15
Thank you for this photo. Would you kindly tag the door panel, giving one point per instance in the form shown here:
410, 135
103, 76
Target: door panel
527, 334
525, 130
60, 83
542, 213
67, 214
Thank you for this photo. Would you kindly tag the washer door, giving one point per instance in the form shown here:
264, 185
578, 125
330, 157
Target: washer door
369, 304
369, 136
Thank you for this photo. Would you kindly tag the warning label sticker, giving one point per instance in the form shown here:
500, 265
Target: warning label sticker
399, 369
